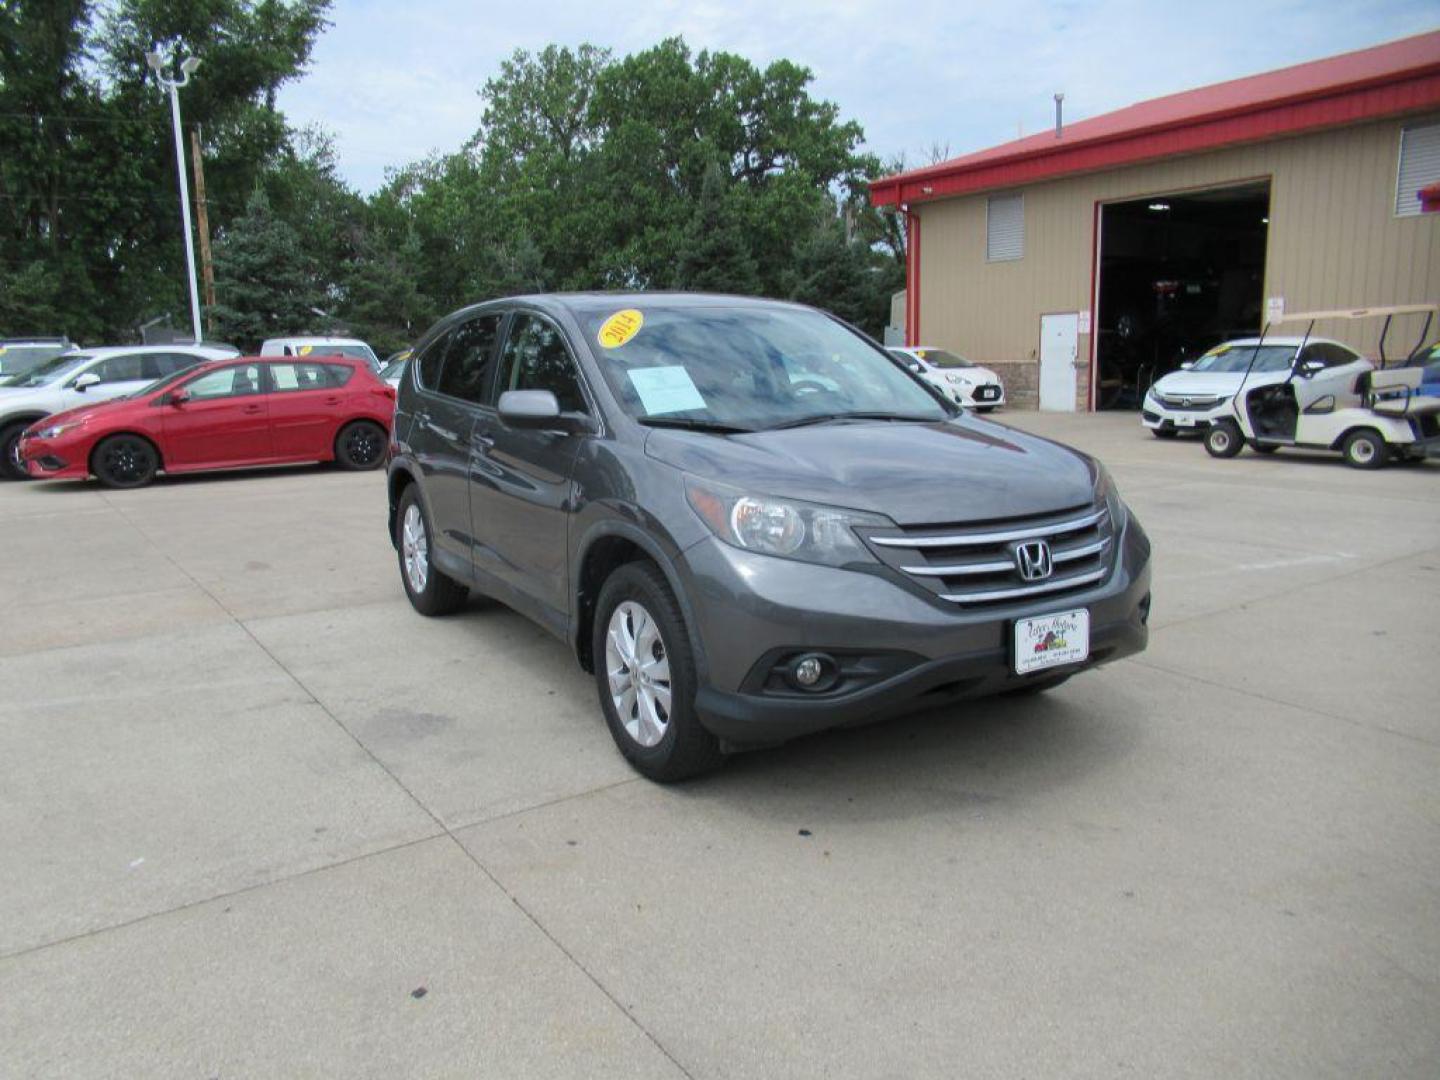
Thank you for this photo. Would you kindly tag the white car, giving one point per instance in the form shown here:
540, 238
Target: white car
962, 381
80, 378
1193, 397
321, 346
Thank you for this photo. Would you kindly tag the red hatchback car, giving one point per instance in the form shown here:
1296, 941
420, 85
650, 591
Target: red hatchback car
224, 414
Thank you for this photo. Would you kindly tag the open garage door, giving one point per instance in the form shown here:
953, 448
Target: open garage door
1178, 273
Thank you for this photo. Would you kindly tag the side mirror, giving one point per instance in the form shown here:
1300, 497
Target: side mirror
1186, 365
538, 410
178, 397
1308, 368
84, 382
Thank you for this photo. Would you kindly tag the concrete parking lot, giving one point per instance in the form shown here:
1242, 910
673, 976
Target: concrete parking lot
257, 818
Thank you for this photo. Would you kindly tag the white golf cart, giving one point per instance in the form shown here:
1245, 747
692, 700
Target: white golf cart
1368, 418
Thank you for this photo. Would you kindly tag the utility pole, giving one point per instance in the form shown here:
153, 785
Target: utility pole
207, 267
187, 68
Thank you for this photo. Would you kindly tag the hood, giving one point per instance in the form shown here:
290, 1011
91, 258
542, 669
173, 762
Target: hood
81, 413
1218, 383
915, 474
969, 375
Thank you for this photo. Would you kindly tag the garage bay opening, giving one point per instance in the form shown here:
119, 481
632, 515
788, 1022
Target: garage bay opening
1178, 274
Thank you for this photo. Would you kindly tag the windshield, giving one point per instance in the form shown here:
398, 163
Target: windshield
1236, 358
394, 369
20, 359
355, 352
748, 367
52, 370
941, 358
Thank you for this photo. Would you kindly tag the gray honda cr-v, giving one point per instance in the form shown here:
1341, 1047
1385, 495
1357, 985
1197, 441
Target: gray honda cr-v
747, 520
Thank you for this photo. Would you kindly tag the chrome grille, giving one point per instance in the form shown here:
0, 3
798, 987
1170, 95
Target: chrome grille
1190, 402
976, 564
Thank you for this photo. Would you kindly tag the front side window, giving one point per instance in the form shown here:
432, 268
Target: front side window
125, 368
240, 380
536, 359
465, 373
752, 367
428, 363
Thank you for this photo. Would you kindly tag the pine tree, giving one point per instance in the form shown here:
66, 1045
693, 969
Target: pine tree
715, 255
266, 283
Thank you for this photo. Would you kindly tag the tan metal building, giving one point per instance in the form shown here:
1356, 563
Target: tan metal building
1084, 264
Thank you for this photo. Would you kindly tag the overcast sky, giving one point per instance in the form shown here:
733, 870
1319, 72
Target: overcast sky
392, 82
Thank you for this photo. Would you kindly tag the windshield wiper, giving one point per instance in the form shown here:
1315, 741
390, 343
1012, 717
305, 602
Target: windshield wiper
825, 418
716, 426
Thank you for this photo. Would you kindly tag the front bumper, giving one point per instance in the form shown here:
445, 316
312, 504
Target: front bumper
747, 607
53, 459
1156, 415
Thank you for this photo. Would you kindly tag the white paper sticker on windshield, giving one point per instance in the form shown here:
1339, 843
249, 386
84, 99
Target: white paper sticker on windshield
666, 390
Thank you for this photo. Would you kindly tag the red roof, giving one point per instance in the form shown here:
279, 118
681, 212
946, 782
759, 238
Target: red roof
1402, 76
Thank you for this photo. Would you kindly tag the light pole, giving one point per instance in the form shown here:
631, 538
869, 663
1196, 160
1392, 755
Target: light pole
187, 68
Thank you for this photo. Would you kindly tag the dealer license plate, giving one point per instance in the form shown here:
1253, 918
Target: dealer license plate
1048, 641
1184, 421
987, 392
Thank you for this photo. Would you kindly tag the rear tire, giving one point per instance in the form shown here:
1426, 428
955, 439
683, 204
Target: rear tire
1223, 439
1365, 450
360, 445
430, 591
645, 667
125, 461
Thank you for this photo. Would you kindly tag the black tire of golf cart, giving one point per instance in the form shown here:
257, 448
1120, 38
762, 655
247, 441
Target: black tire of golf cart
10, 467
1365, 449
1223, 440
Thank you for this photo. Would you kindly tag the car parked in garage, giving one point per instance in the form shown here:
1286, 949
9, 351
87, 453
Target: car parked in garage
224, 414
1192, 398
962, 381
747, 521
72, 379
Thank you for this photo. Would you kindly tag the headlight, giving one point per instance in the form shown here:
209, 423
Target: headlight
782, 527
54, 431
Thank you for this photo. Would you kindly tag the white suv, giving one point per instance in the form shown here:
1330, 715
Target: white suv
80, 378
1191, 398
962, 381
322, 346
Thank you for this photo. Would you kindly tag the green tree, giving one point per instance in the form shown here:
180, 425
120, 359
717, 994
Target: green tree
715, 256
266, 283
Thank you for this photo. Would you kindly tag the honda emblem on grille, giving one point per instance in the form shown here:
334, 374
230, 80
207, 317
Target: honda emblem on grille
1033, 560
1185, 401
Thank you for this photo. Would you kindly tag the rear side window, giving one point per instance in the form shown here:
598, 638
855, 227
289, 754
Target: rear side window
536, 359
286, 378
468, 359
427, 364
160, 365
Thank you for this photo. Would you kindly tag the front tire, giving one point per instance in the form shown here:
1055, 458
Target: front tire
10, 466
1365, 450
645, 674
360, 445
431, 592
1223, 439
125, 461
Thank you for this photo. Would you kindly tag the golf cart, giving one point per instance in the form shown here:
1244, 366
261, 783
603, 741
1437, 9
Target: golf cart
1368, 418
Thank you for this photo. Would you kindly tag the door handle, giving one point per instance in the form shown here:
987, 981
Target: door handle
483, 441
332, 400
253, 408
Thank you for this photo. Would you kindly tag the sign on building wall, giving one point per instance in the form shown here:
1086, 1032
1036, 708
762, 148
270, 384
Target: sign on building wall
1274, 308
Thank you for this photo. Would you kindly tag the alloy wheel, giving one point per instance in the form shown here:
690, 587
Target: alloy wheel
638, 668
363, 444
415, 548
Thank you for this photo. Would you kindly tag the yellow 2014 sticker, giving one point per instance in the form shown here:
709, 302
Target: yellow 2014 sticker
306, 349
620, 328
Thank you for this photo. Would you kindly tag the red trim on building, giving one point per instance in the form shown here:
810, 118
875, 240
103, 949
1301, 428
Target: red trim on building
1388, 80
912, 279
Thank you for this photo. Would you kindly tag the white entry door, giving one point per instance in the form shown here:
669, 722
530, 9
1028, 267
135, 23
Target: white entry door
1059, 346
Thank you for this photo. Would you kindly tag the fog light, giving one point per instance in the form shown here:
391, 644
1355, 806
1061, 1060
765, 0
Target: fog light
809, 670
